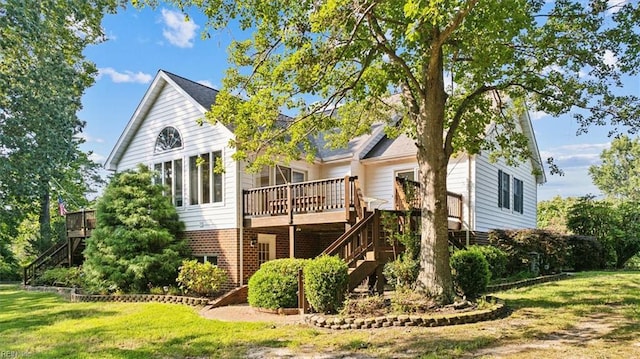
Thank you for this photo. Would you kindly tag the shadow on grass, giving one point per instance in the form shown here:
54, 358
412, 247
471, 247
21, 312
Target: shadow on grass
424, 344
28, 311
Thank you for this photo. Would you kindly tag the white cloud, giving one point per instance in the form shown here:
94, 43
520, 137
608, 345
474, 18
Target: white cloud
615, 5
610, 58
206, 83
575, 156
126, 76
88, 138
96, 157
537, 115
178, 30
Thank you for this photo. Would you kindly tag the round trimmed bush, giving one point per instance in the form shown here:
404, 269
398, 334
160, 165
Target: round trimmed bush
496, 257
325, 282
470, 272
275, 284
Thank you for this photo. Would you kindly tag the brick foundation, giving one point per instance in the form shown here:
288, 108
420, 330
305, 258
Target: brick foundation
224, 243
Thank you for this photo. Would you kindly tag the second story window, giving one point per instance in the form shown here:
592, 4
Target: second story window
168, 139
205, 185
504, 190
169, 174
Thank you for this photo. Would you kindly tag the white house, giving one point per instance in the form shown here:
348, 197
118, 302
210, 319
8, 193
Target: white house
239, 220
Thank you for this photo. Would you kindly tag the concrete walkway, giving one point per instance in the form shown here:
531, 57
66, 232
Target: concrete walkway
244, 313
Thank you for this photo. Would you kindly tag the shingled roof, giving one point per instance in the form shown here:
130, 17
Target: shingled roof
204, 95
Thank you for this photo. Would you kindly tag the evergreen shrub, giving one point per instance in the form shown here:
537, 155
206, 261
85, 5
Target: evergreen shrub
496, 258
275, 284
61, 277
470, 272
325, 282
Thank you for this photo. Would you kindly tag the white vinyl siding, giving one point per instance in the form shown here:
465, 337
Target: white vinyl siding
379, 180
172, 108
488, 215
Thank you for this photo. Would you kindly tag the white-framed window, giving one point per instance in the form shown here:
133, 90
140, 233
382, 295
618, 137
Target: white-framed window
504, 190
406, 174
518, 195
208, 258
266, 248
205, 186
168, 139
169, 174
270, 176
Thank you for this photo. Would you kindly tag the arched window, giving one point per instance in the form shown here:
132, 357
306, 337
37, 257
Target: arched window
168, 139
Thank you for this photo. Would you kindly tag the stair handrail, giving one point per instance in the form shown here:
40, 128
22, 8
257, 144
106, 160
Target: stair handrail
30, 269
360, 226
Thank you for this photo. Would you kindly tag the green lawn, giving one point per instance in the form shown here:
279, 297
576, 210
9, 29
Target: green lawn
594, 315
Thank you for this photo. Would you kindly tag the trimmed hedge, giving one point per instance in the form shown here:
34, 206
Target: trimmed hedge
496, 257
556, 251
325, 283
275, 284
470, 272
552, 249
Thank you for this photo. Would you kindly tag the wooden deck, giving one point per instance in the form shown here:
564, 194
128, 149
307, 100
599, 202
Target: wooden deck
79, 224
335, 200
407, 195
332, 200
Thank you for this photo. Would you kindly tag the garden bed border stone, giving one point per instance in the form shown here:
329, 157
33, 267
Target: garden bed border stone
71, 295
527, 282
393, 320
409, 320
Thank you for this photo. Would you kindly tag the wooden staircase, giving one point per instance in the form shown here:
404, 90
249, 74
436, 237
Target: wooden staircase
360, 248
64, 253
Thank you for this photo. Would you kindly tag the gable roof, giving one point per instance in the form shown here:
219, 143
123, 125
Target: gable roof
403, 146
375, 145
200, 95
204, 95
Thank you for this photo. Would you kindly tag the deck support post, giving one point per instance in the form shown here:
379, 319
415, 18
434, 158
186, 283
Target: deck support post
292, 242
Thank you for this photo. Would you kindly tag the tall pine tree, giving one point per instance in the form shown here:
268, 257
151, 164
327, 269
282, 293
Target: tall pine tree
137, 240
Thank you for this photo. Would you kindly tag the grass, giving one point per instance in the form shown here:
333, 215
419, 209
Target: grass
594, 315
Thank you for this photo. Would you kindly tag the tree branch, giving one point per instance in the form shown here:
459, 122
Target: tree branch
457, 20
377, 33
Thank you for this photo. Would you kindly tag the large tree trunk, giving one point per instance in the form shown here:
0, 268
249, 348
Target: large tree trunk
44, 218
435, 271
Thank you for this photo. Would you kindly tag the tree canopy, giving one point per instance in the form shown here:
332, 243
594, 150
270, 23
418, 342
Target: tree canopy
439, 71
618, 176
43, 74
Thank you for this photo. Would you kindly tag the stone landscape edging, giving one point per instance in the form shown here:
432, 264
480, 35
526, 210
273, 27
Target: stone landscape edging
71, 295
526, 282
409, 320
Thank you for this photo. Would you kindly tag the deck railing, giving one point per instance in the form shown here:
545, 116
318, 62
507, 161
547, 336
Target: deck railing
81, 223
305, 197
363, 237
51, 257
408, 197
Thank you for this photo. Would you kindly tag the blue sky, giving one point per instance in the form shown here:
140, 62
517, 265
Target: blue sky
140, 42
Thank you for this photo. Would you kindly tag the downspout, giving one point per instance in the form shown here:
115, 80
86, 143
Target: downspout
468, 198
240, 210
